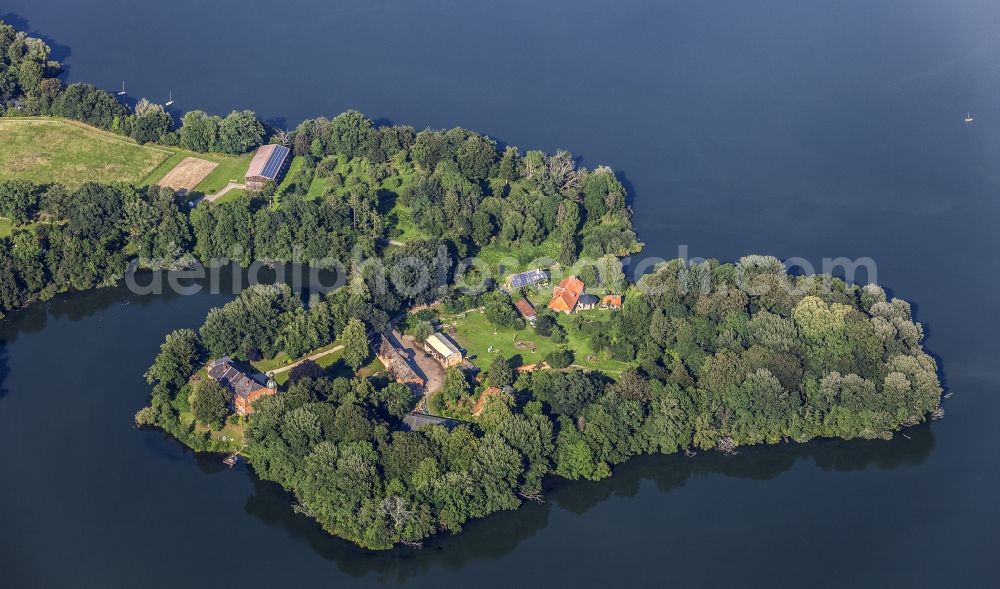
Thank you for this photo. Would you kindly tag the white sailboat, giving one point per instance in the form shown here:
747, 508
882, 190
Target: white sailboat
122, 93
171, 101
968, 118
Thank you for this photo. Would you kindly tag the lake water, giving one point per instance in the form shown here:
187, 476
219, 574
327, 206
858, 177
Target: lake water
791, 128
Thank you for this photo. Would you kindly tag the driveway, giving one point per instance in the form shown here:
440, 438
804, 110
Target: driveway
424, 366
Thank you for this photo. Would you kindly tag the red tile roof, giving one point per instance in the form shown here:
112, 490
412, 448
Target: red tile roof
524, 306
566, 295
612, 300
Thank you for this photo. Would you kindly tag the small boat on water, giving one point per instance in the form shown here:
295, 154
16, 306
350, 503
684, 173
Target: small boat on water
171, 101
230, 460
122, 93
968, 118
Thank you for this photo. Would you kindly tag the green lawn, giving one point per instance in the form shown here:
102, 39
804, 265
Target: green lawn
230, 196
331, 361
47, 151
318, 188
231, 168
293, 169
6, 227
336, 368
476, 335
519, 257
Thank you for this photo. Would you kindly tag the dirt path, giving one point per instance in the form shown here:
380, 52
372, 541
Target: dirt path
221, 193
314, 357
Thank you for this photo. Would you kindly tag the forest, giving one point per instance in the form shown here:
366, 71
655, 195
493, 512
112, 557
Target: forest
721, 356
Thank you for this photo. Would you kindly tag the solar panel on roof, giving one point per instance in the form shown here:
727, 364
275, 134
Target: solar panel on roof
274, 161
527, 278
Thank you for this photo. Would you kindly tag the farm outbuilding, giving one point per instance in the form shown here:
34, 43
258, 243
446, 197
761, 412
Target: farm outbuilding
269, 164
527, 310
443, 349
529, 278
395, 363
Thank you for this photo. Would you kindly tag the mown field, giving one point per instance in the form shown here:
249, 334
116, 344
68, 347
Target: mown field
48, 151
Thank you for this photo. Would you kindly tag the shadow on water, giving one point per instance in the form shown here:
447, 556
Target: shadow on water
486, 539
59, 52
499, 534
276, 123
79, 305
4, 368
915, 314
760, 463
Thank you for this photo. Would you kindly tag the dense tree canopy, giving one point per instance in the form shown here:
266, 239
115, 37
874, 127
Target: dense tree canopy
239, 132
716, 365
24, 64
96, 229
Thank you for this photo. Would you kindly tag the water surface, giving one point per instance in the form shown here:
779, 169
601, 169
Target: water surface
812, 129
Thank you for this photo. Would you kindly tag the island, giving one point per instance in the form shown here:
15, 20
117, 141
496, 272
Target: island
427, 391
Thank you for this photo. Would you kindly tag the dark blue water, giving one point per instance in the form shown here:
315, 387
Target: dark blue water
791, 128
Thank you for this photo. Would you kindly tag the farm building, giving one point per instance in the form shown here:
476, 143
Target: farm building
526, 310
268, 165
443, 349
529, 278
416, 420
566, 295
245, 389
395, 363
611, 302
586, 302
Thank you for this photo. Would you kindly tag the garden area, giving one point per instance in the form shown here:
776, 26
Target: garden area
483, 340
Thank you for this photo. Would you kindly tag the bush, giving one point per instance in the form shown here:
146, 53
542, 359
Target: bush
500, 311
560, 358
558, 334
544, 324
623, 350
